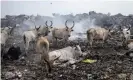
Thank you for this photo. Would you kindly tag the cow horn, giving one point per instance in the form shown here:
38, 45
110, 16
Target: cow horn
46, 23
129, 28
38, 27
51, 23
73, 24
66, 24
34, 24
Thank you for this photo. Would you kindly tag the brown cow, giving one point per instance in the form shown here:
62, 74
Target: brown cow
42, 47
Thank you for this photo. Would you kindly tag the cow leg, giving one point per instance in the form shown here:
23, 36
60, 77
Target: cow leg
46, 59
26, 48
103, 43
55, 42
2, 52
33, 45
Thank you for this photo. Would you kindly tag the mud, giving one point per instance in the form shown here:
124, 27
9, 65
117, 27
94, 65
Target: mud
111, 63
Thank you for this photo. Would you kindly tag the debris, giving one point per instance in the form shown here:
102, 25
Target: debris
9, 75
122, 76
130, 54
92, 76
61, 75
89, 76
131, 77
18, 74
25, 70
89, 61
74, 66
130, 46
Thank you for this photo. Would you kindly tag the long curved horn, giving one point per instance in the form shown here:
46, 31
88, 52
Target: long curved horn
46, 23
129, 27
73, 24
66, 24
38, 27
51, 24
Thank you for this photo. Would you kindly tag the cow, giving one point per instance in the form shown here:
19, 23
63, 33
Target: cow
42, 47
98, 33
4, 36
45, 30
125, 33
31, 35
1, 29
69, 54
62, 33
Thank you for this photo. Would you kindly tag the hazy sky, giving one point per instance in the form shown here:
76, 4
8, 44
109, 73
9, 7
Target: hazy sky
65, 7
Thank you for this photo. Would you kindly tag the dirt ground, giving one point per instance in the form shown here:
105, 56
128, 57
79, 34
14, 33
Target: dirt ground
111, 64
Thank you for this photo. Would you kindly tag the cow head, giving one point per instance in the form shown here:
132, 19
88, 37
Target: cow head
48, 29
77, 51
109, 31
36, 29
126, 31
8, 30
69, 30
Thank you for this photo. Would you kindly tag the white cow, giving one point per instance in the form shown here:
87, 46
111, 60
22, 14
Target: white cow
126, 32
97, 33
5, 34
31, 35
69, 54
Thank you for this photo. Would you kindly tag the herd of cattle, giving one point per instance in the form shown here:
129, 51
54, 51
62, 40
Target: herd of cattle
44, 35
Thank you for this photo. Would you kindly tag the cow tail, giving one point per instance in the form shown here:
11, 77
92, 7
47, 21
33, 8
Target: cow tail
52, 61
